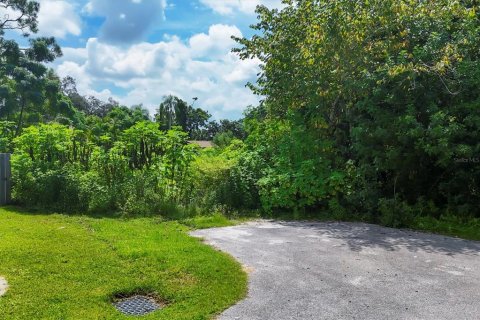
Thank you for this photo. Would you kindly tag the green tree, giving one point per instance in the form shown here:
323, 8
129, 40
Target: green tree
25, 14
196, 123
7, 133
224, 128
173, 111
26, 84
143, 143
389, 85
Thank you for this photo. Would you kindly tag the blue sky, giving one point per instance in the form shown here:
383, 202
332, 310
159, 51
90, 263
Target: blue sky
137, 51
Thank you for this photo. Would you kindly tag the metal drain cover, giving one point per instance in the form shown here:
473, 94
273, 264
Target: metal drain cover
137, 305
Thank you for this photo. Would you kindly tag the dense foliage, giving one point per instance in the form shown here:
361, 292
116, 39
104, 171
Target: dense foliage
77, 153
371, 106
143, 172
370, 110
27, 87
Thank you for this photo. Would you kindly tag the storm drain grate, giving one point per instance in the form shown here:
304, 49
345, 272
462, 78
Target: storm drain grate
137, 305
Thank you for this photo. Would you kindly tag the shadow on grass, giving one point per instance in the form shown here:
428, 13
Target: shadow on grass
360, 236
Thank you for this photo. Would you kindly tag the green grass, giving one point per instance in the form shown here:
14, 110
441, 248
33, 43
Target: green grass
62, 267
449, 226
204, 222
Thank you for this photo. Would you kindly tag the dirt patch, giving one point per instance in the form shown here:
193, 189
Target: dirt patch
248, 269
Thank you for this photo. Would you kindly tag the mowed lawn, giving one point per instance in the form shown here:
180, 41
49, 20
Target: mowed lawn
63, 267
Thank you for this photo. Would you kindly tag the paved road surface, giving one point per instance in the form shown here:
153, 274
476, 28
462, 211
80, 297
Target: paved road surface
350, 271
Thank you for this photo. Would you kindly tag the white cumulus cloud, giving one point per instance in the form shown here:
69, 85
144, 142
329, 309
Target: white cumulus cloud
217, 41
58, 18
202, 66
228, 7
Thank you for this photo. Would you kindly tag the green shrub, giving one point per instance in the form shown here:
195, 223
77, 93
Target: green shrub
7, 133
396, 213
146, 172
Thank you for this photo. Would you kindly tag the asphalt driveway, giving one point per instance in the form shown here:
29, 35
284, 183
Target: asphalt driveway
350, 271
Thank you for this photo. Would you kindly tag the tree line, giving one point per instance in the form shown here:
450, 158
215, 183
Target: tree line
370, 110
75, 153
31, 93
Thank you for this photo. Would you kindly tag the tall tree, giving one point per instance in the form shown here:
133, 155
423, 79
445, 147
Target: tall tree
25, 82
386, 84
19, 15
166, 115
174, 111
196, 122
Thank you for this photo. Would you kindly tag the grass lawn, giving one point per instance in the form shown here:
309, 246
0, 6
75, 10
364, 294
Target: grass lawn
64, 267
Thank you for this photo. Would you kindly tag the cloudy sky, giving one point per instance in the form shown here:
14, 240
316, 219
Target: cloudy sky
137, 51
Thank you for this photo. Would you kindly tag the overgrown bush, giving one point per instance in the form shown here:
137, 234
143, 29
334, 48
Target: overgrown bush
147, 171
390, 87
395, 213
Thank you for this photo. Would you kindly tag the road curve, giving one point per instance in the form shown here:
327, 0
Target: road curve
305, 270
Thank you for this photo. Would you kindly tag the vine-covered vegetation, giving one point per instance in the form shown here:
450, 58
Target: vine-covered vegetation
370, 110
